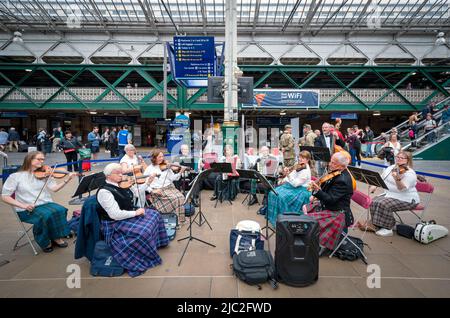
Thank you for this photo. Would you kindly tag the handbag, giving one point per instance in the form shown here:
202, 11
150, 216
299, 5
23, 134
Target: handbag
85, 153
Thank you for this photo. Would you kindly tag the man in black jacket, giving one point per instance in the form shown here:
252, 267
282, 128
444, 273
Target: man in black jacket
327, 139
334, 196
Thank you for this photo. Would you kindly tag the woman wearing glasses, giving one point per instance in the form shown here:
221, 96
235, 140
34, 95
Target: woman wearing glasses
401, 195
49, 219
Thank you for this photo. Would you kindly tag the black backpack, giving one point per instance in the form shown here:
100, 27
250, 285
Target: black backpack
255, 267
348, 251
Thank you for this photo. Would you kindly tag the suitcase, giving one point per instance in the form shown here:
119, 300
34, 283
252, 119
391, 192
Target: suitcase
23, 147
428, 232
7, 170
170, 222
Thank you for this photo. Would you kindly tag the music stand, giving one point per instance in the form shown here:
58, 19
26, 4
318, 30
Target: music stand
87, 184
196, 183
318, 153
369, 177
253, 174
222, 167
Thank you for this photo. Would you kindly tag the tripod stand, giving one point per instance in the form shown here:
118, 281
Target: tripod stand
190, 237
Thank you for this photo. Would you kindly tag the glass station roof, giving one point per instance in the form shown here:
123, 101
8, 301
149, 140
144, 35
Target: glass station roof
208, 16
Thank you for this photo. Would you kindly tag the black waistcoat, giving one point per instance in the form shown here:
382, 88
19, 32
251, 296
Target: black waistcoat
123, 197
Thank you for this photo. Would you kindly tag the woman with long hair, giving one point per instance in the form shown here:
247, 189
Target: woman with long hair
163, 194
401, 195
22, 190
292, 193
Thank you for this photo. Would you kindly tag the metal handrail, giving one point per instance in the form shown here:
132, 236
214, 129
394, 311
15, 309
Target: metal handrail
436, 130
419, 124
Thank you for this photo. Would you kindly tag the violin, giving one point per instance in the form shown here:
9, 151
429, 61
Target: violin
174, 166
129, 181
45, 172
324, 179
401, 169
297, 167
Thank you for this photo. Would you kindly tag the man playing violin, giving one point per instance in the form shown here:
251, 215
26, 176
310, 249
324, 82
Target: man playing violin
163, 194
401, 195
333, 192
134, 235
31, 197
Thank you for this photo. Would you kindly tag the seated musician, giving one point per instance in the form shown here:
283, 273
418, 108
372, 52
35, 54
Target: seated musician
49, 219
185, 158
131, 162
292, 193
229, 157
334, 192
134, 235
260, 166
163, 194
401, 195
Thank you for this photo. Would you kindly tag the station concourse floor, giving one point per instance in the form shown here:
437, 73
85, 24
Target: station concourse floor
408, 268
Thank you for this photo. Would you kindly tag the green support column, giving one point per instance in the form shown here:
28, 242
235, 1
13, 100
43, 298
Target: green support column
181, 97
230, 132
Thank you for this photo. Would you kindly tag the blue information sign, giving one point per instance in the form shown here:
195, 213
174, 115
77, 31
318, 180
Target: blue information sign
285, 98
194, 57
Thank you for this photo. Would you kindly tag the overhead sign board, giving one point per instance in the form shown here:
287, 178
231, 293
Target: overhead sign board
285, 98
194, 57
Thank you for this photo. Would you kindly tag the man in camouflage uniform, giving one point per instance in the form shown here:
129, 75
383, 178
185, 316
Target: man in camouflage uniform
287, 147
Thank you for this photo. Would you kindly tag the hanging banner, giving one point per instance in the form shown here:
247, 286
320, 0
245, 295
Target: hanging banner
285, 98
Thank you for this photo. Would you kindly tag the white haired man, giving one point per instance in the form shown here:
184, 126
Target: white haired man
134, 235
332, 208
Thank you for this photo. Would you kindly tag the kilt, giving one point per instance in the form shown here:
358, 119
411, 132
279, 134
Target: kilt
49, 222
289, 199
170, 201
134, 241
382, 211
331, 225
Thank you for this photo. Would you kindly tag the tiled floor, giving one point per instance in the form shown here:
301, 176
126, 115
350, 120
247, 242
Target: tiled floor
408, 269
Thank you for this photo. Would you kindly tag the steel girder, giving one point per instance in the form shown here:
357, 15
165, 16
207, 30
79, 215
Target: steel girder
181, 101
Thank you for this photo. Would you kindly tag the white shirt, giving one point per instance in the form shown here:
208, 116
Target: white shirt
166, 178
299, 178
26, 188
129, 161
409, 179
106, 199
328, 141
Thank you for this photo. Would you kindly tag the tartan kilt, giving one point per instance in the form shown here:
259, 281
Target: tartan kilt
49, 222
331, 226
290, 199
170, 201
382, 211
134, 241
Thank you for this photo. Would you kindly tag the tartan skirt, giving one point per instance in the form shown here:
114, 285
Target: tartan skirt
289, 199
170, 201
134, 241
49, 222
382, 211
331, 225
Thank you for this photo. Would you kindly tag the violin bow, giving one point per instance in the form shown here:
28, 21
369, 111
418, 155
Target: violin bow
45, 184
137, 187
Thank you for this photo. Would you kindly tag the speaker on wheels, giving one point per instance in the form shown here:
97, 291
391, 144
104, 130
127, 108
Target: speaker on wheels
297, 250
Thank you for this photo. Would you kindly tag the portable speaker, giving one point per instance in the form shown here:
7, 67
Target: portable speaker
297, 250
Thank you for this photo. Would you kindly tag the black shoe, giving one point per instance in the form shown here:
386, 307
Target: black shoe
253, 200
61, 245
47, 249
195, 202
213, 198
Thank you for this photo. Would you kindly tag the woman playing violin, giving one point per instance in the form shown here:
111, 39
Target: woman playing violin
293, 193
401, 195
31, 197
133, 165
163, 194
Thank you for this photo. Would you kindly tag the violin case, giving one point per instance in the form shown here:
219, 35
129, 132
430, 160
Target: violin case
427, 232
